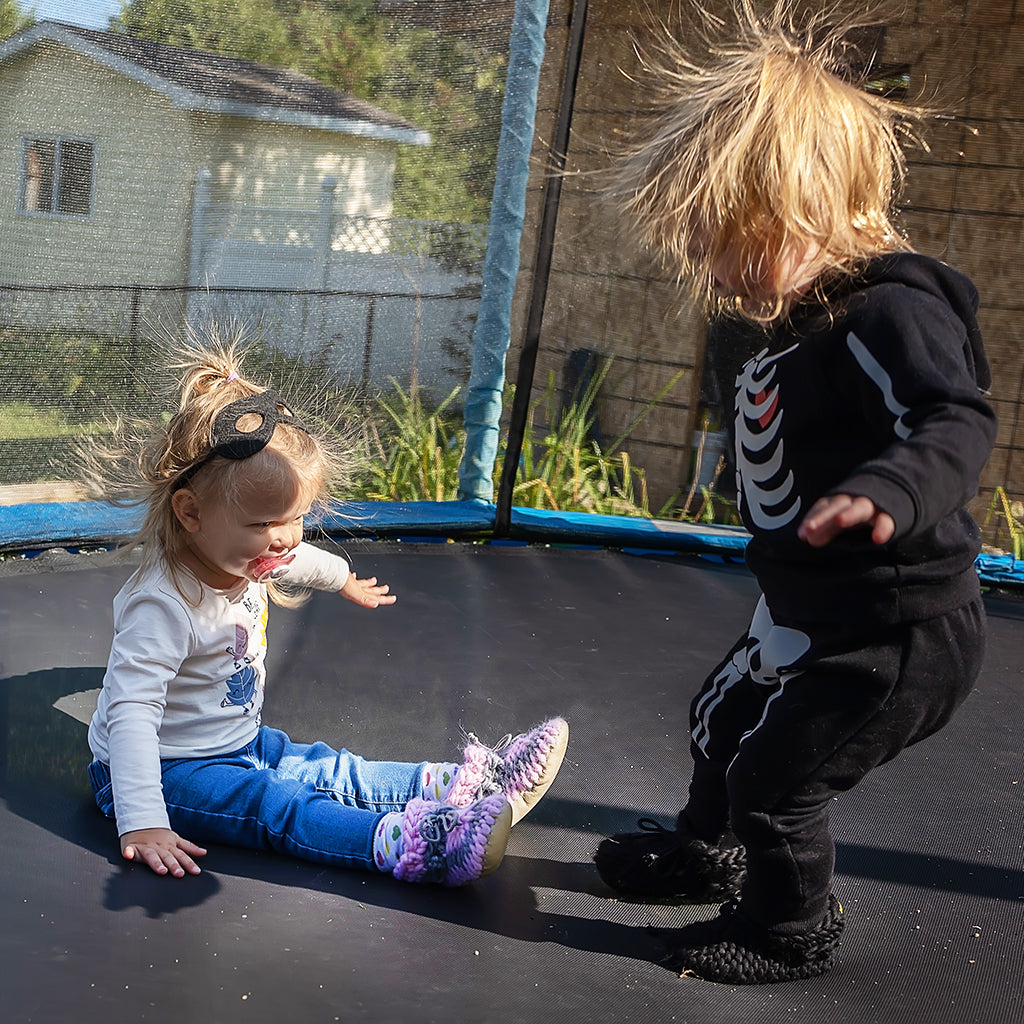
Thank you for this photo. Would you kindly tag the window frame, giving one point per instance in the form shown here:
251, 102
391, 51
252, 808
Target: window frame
58, 141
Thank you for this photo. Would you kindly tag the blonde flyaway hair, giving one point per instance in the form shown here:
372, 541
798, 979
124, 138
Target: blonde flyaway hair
160, 457
763, 146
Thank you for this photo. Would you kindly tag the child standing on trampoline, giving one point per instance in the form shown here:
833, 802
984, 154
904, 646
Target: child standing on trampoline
180, 753
768, 184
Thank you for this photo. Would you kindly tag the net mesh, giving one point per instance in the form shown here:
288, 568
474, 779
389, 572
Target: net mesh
316, 181
319, 176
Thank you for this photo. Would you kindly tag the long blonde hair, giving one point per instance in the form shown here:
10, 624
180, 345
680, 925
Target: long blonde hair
179, 454
762, 146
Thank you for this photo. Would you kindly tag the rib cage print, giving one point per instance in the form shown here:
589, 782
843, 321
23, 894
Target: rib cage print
765, 484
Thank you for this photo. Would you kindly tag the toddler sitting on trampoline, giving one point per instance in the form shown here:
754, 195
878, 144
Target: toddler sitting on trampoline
180, 751
768, 184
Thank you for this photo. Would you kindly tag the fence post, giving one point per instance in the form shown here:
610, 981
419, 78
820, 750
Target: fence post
200, 207
197, 247
325, 214
322, 250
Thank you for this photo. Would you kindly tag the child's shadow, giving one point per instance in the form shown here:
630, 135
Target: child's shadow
43, 755
528, 899
43, 759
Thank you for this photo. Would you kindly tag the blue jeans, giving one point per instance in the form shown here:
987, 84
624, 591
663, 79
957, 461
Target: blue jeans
307, 800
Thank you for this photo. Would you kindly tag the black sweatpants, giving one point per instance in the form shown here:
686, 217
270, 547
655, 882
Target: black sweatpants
794, 716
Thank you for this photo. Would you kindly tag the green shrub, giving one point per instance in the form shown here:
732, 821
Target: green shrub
408, 447
1004, 514
412, 453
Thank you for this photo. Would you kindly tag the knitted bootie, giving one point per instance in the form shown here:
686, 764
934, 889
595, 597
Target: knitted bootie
659, 862
452, 845
735, 951
522, 768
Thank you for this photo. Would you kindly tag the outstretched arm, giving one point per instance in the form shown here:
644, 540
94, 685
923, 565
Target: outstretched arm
318, 569
836, 513
367, 593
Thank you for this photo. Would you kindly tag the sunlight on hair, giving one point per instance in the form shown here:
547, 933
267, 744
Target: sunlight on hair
157, 455
766, 145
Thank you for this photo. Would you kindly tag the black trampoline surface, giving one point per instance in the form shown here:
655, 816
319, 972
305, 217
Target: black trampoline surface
489, 639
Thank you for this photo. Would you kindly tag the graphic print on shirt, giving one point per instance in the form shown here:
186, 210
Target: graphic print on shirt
242, 686
880, 378
766, 659
765, 484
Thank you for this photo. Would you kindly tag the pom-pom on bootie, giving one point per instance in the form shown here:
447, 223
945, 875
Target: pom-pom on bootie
663, 863
522, 768
733, 950
452, 845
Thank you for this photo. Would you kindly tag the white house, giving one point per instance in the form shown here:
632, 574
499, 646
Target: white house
103, 138
131, 171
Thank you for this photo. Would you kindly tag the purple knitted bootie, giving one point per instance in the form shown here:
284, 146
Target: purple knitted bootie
522, 768
453, 845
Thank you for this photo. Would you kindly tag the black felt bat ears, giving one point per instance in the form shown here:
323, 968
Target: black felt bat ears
231, 442
228, 440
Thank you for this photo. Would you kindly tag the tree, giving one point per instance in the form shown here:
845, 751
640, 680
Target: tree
13, 18
445, 83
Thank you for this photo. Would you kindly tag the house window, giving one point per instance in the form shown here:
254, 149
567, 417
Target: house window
58, 176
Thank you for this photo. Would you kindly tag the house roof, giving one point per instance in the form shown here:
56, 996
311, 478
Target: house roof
196, 80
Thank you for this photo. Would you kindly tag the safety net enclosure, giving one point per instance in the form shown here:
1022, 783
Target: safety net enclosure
400, 206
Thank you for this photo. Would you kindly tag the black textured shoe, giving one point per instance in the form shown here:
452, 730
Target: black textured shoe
733, 950
661, 862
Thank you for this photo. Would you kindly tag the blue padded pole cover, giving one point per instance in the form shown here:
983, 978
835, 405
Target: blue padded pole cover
492, 332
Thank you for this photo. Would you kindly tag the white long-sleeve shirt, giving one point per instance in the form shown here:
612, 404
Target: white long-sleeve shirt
185, 680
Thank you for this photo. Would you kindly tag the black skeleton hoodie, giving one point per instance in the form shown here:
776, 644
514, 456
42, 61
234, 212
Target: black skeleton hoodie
880, 394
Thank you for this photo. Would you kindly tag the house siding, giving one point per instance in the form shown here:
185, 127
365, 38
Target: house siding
283, 166
964, 203
147, 157
144, 159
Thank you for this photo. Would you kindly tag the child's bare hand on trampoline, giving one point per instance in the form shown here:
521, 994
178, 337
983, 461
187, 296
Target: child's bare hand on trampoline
835, 513
368, 593
162, 850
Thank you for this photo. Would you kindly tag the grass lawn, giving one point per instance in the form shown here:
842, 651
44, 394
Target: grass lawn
19, 420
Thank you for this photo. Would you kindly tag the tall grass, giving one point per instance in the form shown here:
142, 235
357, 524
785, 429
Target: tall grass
413, 452
564, 468
1004, 522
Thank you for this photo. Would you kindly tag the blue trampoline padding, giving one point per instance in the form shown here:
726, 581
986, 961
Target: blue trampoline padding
61, 523
627, 531
407, 518
55, 524
72, 524
1001, 570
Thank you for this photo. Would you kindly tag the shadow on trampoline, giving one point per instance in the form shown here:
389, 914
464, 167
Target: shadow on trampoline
42, 778
66, 812
927, 858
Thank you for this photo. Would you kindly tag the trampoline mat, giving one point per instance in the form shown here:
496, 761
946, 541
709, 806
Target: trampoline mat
488, 639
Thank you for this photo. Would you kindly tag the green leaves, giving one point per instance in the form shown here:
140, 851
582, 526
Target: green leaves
13, 18
450, 84
414, 452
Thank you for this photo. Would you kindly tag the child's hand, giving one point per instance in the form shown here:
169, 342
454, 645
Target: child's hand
366, 593
838, 512
163, 850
